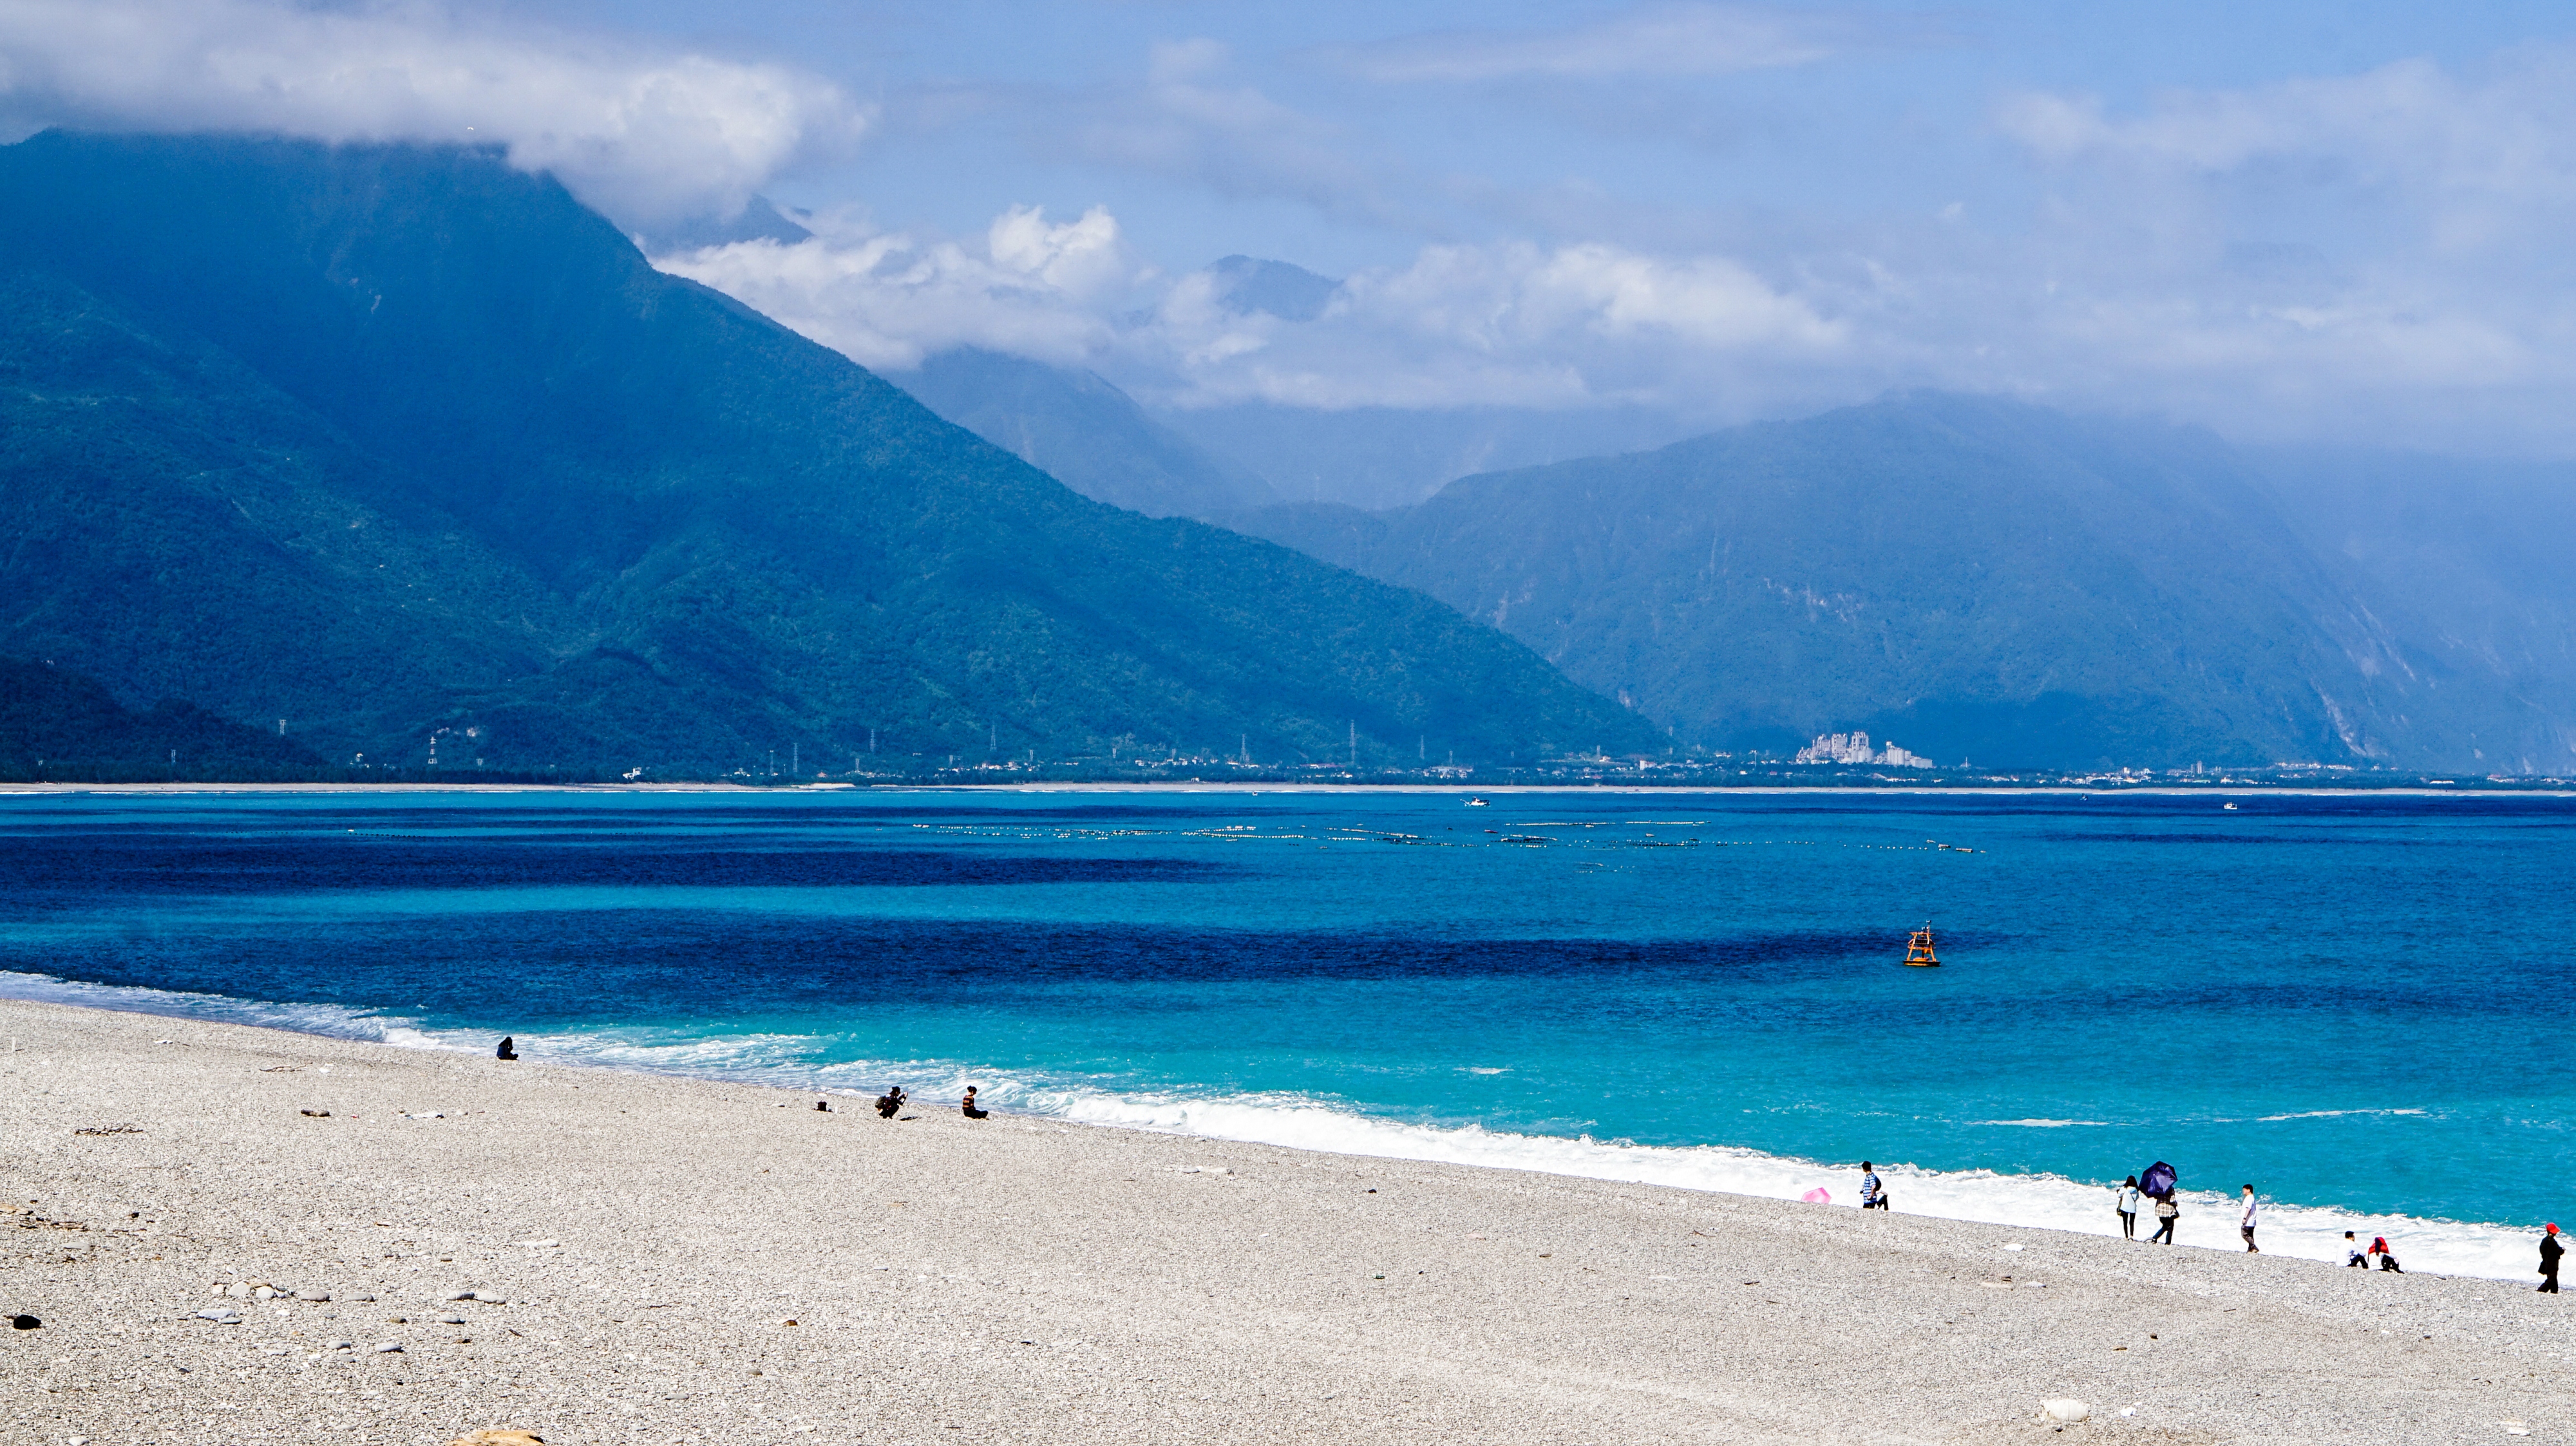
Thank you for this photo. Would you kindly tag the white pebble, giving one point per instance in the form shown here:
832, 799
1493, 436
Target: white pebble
2064, 1410
388, 1346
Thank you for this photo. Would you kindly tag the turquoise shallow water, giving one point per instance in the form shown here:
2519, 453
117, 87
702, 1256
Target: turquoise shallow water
2358, 1004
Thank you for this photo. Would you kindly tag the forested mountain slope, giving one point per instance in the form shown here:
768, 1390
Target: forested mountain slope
1975, 579
389, 440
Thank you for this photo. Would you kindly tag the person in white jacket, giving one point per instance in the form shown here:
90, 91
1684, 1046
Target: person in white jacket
2246, 1226
2125, 1200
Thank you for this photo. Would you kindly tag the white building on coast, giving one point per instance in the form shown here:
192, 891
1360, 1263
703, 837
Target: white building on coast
1854, 748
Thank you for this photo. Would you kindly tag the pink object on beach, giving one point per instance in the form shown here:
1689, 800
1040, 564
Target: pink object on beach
1818, 1196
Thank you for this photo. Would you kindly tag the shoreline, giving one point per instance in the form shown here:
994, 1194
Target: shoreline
2436, 1245
1019, 1279
1428, 789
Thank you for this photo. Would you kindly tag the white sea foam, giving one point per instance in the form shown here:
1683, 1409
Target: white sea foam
2051, 1202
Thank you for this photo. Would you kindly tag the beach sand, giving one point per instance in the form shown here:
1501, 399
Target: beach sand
1025, 1280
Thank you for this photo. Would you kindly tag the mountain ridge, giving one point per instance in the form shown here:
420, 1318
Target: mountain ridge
625, 519
1969, 577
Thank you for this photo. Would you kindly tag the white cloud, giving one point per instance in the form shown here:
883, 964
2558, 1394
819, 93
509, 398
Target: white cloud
1660, 40
888, 299
644, 134
1462, 325
2374, 256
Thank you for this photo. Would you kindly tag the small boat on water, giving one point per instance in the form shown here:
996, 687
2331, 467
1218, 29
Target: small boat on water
1918, 950
1476, 803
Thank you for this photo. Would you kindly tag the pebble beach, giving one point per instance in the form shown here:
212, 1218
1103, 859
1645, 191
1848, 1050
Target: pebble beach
225, 1234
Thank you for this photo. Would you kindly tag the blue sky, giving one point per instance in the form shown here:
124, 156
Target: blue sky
988, 104
2290, 222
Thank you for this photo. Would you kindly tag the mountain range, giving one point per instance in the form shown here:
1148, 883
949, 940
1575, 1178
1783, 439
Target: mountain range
1997, 583
412, 451
1084, 432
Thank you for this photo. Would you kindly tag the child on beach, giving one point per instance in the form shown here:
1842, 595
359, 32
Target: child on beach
1871, 1196
2125, 1200
967, 1105
2246, 1226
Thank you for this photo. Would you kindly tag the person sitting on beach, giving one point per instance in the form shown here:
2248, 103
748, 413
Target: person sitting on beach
508, 1049
1871, 1196
967, 1105
2353, 1254
2168, 1215
891, 1102
2387, 1257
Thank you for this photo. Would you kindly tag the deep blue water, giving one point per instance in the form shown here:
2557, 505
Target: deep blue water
2357, 1002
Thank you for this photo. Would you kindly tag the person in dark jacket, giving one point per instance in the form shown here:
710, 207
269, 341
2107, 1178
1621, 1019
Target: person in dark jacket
2387, 1257
2168, 1215
2550, 1250
891, 1102
969, 1108
509, 1048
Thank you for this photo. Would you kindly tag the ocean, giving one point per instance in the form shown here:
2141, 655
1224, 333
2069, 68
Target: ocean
2356, 1003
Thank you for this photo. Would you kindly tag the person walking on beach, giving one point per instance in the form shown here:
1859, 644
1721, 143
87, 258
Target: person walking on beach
1872, 1197
2168, 1214
2125, 1200
2245, 1227
2550, 1250
967, 1105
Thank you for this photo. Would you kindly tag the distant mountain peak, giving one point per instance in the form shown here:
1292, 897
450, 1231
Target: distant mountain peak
1247, 284
758, 220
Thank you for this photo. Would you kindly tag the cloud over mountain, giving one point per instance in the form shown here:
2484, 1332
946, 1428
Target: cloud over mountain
647, 133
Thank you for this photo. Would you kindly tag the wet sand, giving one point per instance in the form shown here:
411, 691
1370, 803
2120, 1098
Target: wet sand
1025, 1280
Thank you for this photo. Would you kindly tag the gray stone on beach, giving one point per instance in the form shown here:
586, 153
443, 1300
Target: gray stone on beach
451, 1320
462, 1295
342, 1346
388, 1347
313, 1295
